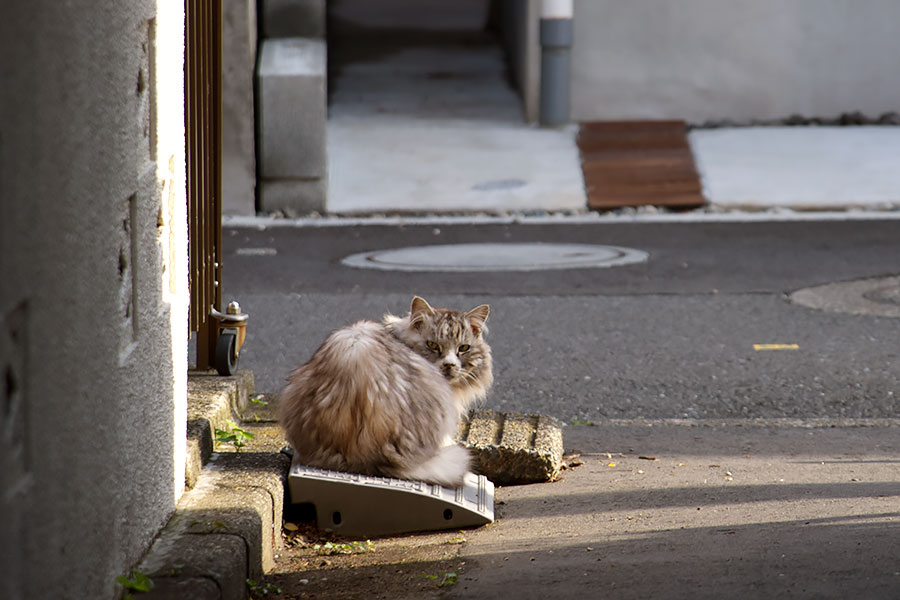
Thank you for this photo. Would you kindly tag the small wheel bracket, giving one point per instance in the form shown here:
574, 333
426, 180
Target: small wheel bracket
232, 329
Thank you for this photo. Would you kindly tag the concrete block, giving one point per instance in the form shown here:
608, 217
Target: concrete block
292, 109
293, 196
512, 448
239, 42
293, 18
212, 401
214, 508
183, 565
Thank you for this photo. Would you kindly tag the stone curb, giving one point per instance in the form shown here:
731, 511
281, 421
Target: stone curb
512, 448
227, 528
212, 402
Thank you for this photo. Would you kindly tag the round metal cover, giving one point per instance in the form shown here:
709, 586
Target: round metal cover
496, 257
879, 296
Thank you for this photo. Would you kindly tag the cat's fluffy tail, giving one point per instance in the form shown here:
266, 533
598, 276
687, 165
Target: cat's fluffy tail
448, 467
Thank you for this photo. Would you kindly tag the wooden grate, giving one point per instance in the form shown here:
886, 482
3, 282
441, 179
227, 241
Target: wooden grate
636, 163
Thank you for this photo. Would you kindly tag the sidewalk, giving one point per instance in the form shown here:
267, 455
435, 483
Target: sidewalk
660, 510
498, 166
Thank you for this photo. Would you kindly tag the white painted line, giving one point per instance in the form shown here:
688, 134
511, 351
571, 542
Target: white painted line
256, 251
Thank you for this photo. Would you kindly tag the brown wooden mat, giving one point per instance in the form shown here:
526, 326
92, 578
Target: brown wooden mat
636, 163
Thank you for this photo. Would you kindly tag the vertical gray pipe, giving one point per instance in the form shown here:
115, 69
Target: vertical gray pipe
556, 44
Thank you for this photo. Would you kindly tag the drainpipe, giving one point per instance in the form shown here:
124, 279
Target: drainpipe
556, 42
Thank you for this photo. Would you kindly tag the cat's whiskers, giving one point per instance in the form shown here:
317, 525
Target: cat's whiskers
469, 376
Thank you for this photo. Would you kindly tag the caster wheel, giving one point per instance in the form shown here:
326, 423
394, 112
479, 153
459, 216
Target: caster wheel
226, 355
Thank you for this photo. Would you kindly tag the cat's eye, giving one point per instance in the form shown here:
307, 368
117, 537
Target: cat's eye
433, 346
463, 348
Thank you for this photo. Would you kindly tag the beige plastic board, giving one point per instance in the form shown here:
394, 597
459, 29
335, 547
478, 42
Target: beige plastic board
356, 505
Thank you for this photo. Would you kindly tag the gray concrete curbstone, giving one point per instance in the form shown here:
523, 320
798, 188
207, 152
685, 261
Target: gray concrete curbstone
183, 565
513, 448
212, 401
226, 529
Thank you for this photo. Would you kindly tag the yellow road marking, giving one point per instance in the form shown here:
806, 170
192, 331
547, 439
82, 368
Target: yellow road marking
776, 346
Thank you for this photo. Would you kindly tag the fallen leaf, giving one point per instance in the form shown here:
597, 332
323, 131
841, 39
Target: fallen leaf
647, 457
291, 526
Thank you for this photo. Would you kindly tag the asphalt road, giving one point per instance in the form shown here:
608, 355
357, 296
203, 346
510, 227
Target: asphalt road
670, 338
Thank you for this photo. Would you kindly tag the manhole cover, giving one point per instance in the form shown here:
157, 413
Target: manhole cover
877, 297
496, 257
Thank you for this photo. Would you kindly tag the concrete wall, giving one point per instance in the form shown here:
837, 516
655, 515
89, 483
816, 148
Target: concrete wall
93, 301
715, 59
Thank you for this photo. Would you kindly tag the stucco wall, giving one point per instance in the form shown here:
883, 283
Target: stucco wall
93, 295
714, 59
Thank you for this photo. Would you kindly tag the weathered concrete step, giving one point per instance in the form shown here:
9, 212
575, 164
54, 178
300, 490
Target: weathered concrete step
227, 525
212, 402
223, 532
513, 448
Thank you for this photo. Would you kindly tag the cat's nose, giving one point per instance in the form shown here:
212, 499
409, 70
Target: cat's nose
447, 367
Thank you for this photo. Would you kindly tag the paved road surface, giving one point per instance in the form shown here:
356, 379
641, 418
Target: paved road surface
670, 338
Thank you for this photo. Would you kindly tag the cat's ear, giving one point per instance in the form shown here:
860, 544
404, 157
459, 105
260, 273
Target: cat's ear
418, 310
477, 316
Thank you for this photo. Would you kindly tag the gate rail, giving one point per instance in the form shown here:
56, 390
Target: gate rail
219, 336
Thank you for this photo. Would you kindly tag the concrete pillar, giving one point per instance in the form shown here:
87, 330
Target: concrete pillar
556, 42
292, 125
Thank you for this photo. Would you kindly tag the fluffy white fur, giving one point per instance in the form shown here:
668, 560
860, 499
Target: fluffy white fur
386, 398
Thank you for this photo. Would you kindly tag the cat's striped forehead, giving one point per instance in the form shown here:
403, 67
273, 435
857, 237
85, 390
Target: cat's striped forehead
448, 325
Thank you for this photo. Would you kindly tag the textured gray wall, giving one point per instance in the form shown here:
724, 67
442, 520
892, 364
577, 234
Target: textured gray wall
92, 298
715, 59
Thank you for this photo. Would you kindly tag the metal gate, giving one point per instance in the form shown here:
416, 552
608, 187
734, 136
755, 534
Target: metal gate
219, 336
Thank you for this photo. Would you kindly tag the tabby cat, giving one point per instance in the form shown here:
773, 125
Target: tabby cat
386, 398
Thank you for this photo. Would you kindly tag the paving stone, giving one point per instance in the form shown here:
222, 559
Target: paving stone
213, 400
228, 527
183, 565
513, 448
241, 494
